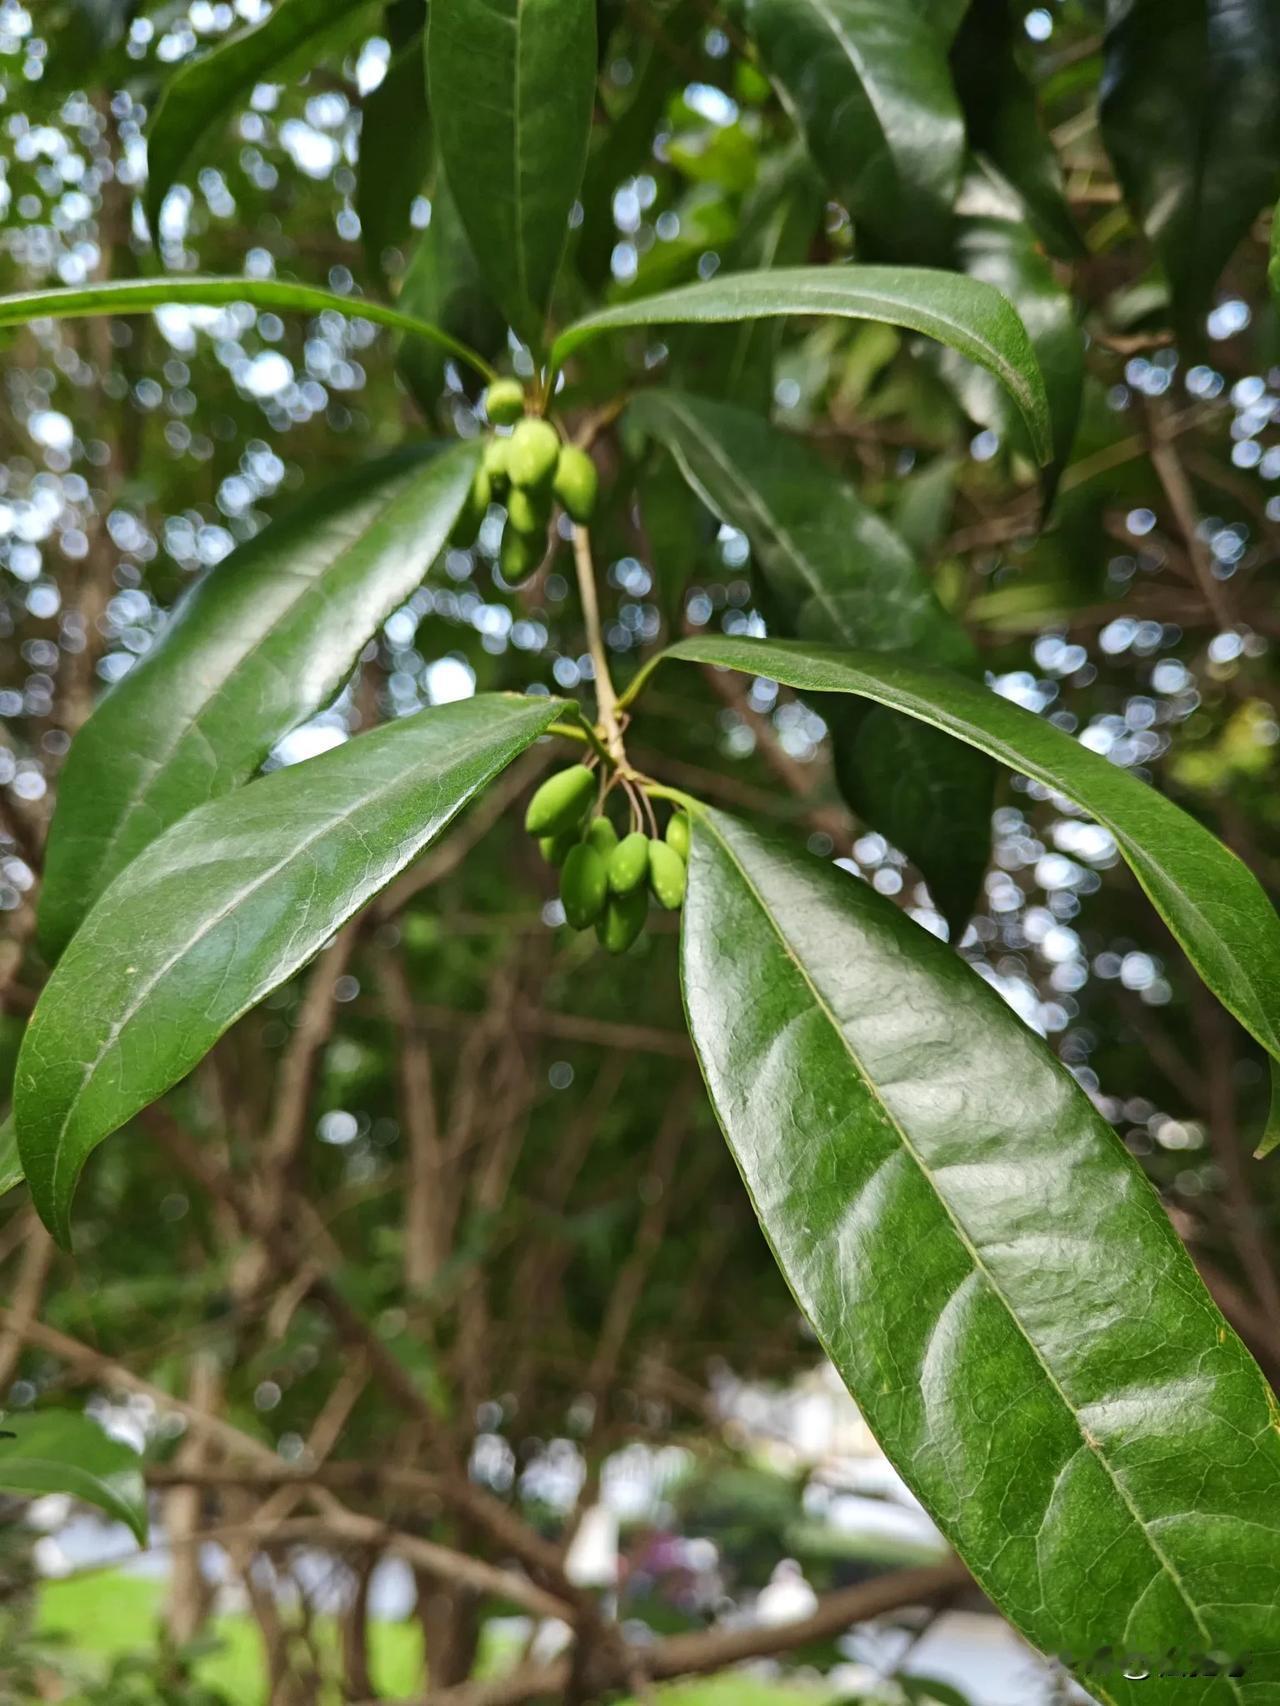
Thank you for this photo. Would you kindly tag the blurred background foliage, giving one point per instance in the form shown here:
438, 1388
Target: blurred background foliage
604, 1288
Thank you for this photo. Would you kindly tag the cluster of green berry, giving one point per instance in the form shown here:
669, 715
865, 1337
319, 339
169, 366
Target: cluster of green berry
529, 471
603, 880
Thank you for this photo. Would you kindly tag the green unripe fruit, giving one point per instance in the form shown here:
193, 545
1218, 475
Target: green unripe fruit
555, 849
476, 507
679, 834
533, 452
504, 402
629, 863
529, 512
561, 802
623, 920
666, 875
602, 836
583, 886
520, 556
576, 483
495, 462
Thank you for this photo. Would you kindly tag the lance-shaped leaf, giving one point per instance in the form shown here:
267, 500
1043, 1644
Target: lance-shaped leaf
145, 295
201, 93
1190, 113
1210, 900
263, 641
395, 153
991, 1274
1003, 121
65, 1451
512, 88
963, 313
868, 86
832, 569
227, 905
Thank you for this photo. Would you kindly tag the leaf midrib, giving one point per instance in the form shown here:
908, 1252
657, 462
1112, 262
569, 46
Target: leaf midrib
979, 1266
459, 756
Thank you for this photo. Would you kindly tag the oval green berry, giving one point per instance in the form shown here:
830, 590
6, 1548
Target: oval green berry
521, 554
680, 833
475, 508
602, 836
528, 512
555, 848
495, 462
533, 453
561, 802
504, 402
583, 886
666, 875
623, 920
576, 483
629, 863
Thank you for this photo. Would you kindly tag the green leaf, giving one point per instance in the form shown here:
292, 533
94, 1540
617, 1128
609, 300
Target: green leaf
65, 1451
868, 85
11, 1173
1190, 112
145, 295
962, 313
989, 1270
512, 89
199, 95
226, 906
263, 641
833, 569
1003, 120
395, 154
443, 284
1003, 252
1210, 900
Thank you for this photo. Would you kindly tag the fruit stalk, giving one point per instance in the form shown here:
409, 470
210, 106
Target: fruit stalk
606, 697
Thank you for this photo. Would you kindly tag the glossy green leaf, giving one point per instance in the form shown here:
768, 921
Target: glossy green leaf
443, 284
868, 86
65, 1451
395, 154
201, 93
145, 295
224, 907
1006, 133
989, 1271
1210, 900
1190, 112
11, 1173
832, 569
1273, 272
263, 641
1003, 252
512, 89
962, 313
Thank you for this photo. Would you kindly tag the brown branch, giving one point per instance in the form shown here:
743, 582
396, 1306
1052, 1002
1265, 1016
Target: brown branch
717, 1649
426, 1215
33, 1274
1177, 489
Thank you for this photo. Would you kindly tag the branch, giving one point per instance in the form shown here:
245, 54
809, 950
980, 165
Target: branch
717, 1649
